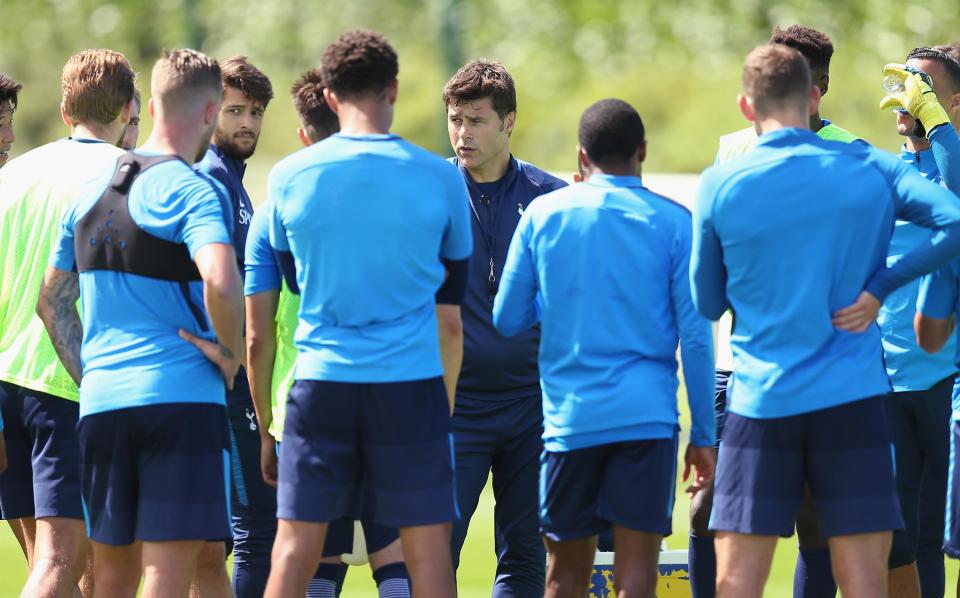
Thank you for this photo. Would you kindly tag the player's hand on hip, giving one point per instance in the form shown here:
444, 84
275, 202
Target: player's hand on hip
268, 459
858, 316
221, 356
703, 461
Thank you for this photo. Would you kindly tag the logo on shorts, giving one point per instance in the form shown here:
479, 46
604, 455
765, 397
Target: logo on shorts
252, 417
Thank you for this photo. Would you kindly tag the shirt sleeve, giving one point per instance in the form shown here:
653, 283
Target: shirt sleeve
946, 153
205, 217
458, 238
696, 345
515, 307
938, 293
64, 253
923, 203
260, 263
708, 275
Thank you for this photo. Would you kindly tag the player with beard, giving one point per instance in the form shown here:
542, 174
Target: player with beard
131, 133
246, 93
150, 239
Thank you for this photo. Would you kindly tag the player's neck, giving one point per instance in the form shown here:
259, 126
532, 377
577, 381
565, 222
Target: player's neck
365, 119
107, 133
165, 140
816, 123
493, 169
916, 144
775, 122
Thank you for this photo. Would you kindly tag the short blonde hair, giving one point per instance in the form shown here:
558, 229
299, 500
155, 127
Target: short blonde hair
180, 75
96, 84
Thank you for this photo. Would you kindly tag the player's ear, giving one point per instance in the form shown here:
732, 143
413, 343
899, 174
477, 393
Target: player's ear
509, 121
642, 153
304, 137
331, 99
746, 107
64, 117
150, 108
583, 161
814, 104
393, 90
211, 113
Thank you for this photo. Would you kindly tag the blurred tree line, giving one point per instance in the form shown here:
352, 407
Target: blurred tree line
678, 62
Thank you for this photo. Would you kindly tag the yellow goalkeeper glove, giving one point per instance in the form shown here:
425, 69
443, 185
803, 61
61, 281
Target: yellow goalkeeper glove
916, 97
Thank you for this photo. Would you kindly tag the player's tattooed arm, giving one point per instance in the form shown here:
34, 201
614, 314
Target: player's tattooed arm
57, 307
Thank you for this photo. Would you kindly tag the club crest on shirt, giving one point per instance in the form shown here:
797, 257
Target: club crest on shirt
253, 419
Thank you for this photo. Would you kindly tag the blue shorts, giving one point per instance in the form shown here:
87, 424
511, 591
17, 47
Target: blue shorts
951, 532
344, 440
627, 484
721, 385
43, 455
156, 473
844, 453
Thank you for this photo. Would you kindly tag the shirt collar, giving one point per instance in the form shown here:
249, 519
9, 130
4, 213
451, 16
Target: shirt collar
786, 136
513, 169
238, 166
368, 136
609, 180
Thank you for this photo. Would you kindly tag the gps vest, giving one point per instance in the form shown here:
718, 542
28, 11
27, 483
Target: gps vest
107, 238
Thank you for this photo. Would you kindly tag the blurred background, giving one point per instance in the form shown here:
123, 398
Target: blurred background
678, 62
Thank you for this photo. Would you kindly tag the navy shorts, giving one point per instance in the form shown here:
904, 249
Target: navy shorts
844, 453
156, 473
951, 532
918, 423
43, 455
340, 537
387, 443
721, 386
628, 484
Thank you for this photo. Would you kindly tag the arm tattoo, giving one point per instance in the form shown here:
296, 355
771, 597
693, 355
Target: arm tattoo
64, 327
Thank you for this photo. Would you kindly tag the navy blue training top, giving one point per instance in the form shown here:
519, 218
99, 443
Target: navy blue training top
229, 172
496, 367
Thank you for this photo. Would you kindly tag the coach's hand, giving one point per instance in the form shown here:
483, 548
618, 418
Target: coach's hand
917, 97
268, 459
859, 316
702, 459
222, 357
3, 454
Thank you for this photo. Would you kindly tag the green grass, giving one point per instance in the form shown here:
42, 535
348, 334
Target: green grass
477, 563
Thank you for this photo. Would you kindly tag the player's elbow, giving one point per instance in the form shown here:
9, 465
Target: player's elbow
932, 334
449, 321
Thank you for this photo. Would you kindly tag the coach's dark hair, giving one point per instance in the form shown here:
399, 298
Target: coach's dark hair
238, 73
815, 46
776, 76
359, 62
9, 90
948, 55
482, 79
307, 92
610, 132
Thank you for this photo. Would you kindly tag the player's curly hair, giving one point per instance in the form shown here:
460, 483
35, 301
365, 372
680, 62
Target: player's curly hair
9, 89
948, 55
307, 92
359, 62
815, 46
481, 79
238, 73
610, 132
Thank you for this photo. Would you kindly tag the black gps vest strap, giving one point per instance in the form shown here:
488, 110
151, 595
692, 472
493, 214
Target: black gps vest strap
107, 238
